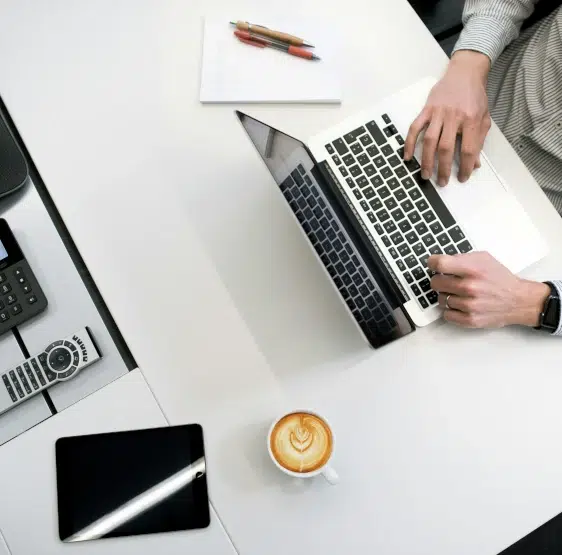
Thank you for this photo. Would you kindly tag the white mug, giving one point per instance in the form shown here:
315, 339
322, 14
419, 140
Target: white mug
327, 471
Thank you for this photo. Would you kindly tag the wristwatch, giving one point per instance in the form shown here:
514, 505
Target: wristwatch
550, 315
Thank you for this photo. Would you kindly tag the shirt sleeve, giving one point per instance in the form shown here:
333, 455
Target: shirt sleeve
558, 285
491, 25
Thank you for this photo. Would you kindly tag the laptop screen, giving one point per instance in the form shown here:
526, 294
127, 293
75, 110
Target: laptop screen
356, 270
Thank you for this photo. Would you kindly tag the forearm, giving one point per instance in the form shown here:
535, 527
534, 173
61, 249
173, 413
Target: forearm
491, 25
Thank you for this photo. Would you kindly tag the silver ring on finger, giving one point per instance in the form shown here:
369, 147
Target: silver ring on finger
447, 301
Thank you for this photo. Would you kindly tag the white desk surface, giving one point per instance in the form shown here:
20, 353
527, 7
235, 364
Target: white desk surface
447, 439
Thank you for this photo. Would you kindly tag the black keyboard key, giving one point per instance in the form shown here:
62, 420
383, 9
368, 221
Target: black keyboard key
435, 250
407, 206
379, 229
386, 241
352, 135
350, 267
377, 180
379, 161
325, 224
429, 216
432, 297
464, 247
393, 183
297, 177
419, 249
404, 250
383, 215
400, 153
423, 302
366, 140
435, 200
456, 234
350, 304
344, 257
421, 228
386, 172
320, 235
390, 130
404, 226
451, 250
411, 237
384, 192
331, 234
340, 268
370, 284
306, 227
408, 182
363, 159
363, 272
400, 171
422, 205
357, 279
425, 285
399, 139
393, 253
411, 261
362, 181
363, 291
372, 151
400, 195
416, 290
397, 215
408, 277
369, 193
376, 204
349, 181
436, 228
400, 264
412, 165
307, 180
390, 226
302, 203
360, 302
356, 148
346, 279
418, 273
364, 205
390, 203
314, 224
353, 290
372, 217
370, 170
336, 159
355, 260
371, 303
394, 161
423, 260
415, 194
330, 149
348, 160
397, 238
332, 258
443, 239
357, 194
387, 150
343, 171
385, 118
375, 131
413, 216
355, 170
327, 246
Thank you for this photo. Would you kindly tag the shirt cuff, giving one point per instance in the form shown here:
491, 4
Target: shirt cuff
487, 35
558, 285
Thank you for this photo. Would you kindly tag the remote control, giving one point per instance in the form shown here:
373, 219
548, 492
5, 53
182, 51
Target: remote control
60, 361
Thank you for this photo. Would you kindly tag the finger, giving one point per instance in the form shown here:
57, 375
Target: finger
478, 163
430, 142
457, 265
413, 133
459, 318
455, 302
447, 285
484, 132
446, 150
470, 148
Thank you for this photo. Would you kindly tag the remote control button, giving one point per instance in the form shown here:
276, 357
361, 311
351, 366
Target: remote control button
18, 272
75, 358
16, 309
22, 280
26, 288
38, 372
32, 299
30, 375
51, 376
5, 288
4, 317
67, 374
69, 345
23, 380
11, 298
60, 359
2, 305
9, 388
53, 345
2, 278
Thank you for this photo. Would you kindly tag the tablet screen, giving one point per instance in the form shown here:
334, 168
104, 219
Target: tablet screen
130, 483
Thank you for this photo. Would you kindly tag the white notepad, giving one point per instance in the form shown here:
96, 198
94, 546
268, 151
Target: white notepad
236, 72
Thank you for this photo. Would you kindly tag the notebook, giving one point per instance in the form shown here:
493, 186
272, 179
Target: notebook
232, 71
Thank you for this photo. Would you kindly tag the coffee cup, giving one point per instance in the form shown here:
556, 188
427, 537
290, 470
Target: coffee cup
301, 444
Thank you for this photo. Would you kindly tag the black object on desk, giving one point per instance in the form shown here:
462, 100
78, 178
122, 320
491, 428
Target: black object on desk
13, 167
21, 296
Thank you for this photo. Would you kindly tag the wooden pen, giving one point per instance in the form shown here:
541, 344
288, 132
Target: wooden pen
270, 33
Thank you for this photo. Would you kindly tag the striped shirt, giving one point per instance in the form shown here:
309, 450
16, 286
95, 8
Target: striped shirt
525, 84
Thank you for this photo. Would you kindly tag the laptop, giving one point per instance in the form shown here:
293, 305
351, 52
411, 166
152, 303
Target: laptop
373, 221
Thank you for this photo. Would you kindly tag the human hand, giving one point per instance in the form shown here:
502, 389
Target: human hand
458, 104
476, 291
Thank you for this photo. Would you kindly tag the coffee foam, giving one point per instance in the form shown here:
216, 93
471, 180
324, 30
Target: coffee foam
301, 442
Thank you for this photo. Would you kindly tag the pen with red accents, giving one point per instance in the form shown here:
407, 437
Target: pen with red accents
261, 42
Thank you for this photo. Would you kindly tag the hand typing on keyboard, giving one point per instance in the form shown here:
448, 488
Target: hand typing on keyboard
457, 105
476, 291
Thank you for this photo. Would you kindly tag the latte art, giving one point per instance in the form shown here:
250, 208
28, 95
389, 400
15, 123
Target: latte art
301, 442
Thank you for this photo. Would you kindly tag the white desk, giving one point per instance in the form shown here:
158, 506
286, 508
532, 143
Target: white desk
446, 439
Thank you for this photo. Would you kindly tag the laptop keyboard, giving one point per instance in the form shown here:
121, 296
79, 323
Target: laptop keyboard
402, 209
338, 254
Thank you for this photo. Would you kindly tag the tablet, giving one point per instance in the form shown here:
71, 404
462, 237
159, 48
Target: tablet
131, 483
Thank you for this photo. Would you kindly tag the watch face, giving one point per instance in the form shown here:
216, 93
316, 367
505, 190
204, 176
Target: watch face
552, 313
